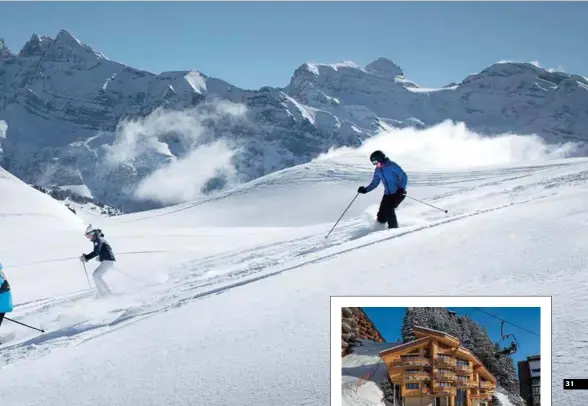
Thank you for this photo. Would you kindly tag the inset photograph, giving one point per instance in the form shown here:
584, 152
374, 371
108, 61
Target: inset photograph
490, 355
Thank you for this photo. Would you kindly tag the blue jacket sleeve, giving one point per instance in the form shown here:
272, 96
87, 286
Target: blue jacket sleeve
375, 182
402, 176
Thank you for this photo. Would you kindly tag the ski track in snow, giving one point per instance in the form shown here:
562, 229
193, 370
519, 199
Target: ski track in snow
218, 273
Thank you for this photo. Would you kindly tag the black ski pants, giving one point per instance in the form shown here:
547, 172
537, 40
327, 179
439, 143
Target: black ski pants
387, 211
1, 317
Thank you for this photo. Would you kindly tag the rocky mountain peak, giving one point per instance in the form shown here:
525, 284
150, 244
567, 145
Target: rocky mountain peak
64, 48
65, 38
384, 66
4, 51
35, 46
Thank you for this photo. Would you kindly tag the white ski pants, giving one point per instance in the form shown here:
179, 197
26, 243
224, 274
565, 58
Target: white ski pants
97, 275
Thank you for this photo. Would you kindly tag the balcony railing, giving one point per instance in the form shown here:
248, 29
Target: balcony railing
466, 383
480, 396
412, 361
486, 385
417, 376
417, 392
463, 369
445, 376
445, 361
445, 389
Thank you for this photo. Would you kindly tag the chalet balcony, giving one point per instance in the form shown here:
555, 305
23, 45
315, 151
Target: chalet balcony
480, 396
466, 383
486, 385
445, 389
417, 376
445, 377
448, 362
412, 361
463, 369
418, 392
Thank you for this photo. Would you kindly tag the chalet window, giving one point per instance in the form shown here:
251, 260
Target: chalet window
463, 362
412, 386
444, 384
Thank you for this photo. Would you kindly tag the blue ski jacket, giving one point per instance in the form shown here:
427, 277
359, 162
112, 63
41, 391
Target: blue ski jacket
391, 174
5, 294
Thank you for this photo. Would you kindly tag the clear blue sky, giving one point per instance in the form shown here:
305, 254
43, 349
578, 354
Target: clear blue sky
262, 43
388, 320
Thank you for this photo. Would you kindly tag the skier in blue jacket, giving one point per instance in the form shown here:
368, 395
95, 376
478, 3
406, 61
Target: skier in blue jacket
395, 181
5, 296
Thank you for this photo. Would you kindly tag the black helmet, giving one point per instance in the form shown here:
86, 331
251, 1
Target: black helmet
377, 157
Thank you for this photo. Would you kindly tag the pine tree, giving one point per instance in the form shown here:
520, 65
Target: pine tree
407, 324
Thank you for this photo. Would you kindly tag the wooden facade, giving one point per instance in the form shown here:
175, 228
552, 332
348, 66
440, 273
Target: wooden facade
434, 370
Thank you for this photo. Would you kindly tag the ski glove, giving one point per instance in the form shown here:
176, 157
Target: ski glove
362, 190
83, 258
401, 191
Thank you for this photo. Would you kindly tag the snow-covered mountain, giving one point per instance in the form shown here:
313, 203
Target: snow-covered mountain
74, 117
80, 202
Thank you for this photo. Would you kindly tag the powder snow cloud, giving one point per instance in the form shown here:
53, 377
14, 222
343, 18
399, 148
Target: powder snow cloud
3, 129
195, 159
451, 145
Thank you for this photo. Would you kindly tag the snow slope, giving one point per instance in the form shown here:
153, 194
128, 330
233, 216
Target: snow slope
361, 372
226, 301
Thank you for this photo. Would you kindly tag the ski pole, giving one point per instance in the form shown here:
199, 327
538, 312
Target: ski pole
86, 273
22, 324
127, 275
327, 236
426, 204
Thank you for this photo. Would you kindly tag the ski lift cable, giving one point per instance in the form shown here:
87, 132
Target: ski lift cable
507, 322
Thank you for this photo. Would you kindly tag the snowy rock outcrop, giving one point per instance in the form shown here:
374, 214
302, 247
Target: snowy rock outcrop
69, 108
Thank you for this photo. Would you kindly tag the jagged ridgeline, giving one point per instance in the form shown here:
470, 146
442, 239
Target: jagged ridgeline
471, 335
69, 116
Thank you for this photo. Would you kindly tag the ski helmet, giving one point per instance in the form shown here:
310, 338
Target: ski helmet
91, 231
377, 157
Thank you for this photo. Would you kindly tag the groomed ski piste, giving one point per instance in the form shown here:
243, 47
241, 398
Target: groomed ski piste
225, 301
